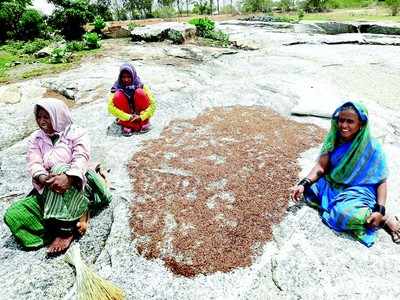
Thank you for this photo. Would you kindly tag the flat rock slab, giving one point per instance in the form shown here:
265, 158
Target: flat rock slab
177, 32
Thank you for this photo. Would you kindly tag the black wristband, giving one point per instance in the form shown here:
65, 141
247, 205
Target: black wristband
306, 182
379, 208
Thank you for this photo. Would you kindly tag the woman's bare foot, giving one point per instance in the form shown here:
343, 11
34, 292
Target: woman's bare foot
59, 244
83, 223
392, 226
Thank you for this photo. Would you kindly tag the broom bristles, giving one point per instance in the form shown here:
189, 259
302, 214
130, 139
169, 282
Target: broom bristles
91, 286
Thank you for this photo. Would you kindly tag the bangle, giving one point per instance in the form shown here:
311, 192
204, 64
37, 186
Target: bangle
306, 182
379, 208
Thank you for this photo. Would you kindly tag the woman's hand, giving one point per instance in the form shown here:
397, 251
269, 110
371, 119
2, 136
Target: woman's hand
374, 220
134, 117
297, 192
59, 183
42, 179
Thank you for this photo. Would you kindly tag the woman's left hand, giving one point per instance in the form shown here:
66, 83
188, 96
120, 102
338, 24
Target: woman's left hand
59, 183
374, 220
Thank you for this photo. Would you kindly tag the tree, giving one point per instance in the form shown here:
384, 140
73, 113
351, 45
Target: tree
70, 16
10, 14
30, 25
102, 8
315, 5
139, 8
256, 5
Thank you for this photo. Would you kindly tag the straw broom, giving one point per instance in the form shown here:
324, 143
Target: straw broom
89, 285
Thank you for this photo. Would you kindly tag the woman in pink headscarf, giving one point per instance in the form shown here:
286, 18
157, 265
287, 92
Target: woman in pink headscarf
64, 188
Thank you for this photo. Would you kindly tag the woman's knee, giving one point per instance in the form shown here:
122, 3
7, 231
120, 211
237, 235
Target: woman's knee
142, 101
120, 101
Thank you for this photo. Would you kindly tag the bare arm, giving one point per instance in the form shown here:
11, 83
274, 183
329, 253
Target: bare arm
381, 193
376, 217
320, 168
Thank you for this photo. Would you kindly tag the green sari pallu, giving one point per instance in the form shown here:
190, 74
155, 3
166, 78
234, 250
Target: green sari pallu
33, 218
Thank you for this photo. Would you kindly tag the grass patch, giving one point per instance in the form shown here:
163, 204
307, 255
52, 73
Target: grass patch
376, 13
29, 66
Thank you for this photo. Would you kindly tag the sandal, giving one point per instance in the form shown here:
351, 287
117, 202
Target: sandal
394, 233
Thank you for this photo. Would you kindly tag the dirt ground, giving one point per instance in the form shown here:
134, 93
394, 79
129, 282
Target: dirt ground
209, 189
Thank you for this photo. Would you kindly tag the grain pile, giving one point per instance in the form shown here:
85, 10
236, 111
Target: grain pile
208, 191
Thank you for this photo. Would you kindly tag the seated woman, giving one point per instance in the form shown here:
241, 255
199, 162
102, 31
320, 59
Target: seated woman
348, 183
131, 102
64, 188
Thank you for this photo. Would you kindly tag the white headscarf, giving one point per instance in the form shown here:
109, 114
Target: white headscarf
60, 115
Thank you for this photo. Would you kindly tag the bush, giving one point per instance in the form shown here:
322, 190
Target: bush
59, 55
133, 25
201, 8
30, 25
76, 46
256, 6
218, 36
98, 24
394, 6
203, 25
92, 40
34, 46
164, 12
175, 36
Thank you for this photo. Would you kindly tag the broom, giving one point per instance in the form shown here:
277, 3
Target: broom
89, 285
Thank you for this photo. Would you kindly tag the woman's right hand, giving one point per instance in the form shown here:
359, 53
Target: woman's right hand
297, 192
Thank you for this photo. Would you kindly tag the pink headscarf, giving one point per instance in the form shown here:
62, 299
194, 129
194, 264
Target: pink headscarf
60, 115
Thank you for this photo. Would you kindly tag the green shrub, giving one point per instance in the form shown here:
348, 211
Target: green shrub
92, 40
133, 25
34, 46
300, 14
164, 12
59, 55
76, 46
203, 25
394, 6
218, 35
98, 24
175, 36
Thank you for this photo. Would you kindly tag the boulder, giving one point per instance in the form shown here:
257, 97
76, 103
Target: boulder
177, 32
10, 94
46, 51
115, 32
308, 28
337, 28
379, 29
